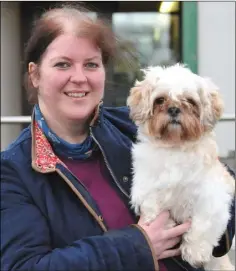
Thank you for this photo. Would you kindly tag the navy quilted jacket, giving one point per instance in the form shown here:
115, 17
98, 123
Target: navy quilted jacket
50, 222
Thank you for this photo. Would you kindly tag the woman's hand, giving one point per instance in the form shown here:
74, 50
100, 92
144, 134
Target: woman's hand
164, 239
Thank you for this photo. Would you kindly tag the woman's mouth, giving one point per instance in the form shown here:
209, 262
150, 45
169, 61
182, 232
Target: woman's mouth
76, 94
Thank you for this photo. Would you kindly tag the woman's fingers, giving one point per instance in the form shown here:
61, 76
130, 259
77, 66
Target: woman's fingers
163, 218
178, 230
164, 240
170, 253
172, 242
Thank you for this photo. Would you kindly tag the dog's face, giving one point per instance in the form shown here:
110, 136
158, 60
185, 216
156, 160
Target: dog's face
174, 105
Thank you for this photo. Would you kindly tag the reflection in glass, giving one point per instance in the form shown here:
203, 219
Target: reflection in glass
146, 38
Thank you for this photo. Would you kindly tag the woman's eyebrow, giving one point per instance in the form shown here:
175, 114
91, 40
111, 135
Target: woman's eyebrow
94, 57
60, 57
69, 59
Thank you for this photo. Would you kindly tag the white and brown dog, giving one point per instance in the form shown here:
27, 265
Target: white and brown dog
175, 161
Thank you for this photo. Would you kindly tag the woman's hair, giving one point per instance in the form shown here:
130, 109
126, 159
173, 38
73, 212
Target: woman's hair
62, 20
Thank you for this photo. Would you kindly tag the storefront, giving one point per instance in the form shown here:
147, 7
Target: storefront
200, 34
150, 33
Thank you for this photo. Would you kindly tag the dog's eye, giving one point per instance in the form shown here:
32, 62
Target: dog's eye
191, 101
159, 100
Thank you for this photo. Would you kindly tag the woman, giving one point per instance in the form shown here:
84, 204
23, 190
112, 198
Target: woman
66, 179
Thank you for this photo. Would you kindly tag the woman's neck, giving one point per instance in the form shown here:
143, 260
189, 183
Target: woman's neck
71, 131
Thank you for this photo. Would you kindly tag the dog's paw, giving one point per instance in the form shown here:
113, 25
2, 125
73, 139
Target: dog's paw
196, 254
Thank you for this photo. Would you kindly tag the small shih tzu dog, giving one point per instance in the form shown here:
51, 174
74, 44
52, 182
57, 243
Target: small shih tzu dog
175, 159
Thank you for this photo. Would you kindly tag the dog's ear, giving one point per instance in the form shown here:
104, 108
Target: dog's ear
213, 103
139, 101
217, 105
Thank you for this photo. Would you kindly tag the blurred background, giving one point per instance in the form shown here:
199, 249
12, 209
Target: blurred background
200, 34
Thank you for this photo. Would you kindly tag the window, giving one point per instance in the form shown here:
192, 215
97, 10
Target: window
146, 38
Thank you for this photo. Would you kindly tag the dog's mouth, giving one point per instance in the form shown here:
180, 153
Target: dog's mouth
175, 122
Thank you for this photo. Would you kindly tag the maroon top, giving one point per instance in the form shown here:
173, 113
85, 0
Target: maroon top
94, 175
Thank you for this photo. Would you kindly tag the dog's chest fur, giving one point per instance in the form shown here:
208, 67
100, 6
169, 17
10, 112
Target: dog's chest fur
171, 178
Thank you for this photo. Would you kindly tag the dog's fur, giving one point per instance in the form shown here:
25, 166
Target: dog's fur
175, 161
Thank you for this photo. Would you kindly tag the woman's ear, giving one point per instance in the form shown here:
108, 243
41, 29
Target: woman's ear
33, 74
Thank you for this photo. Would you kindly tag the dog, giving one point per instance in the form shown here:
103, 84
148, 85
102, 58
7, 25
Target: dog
175, 159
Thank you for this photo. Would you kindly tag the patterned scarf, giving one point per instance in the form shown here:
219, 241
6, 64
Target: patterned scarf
60, 146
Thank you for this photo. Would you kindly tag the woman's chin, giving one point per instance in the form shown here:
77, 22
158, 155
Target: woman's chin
79, 115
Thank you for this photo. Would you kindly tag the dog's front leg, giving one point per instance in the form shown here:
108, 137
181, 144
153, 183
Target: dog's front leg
196, 248
150, 207
209, 222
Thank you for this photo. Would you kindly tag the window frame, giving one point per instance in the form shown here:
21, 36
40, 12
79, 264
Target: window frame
189, 34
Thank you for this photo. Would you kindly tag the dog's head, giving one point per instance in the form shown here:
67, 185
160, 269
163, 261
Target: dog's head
174, 105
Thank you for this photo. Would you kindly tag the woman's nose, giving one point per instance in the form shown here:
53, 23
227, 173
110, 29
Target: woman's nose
78, 75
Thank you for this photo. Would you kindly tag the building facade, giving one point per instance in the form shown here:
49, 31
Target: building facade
201, 35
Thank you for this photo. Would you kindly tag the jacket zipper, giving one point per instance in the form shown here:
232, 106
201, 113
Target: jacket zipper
108, 166
88, 207
85, 188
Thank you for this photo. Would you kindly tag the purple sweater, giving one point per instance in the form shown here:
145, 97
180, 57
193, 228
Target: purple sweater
95, 176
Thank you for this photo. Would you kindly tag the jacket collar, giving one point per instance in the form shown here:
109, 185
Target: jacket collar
44, 160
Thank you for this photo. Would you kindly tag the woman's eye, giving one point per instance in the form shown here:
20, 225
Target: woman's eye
62, 65
159, 100
91, 65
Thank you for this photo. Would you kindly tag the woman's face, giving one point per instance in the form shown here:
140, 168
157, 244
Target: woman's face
71, 78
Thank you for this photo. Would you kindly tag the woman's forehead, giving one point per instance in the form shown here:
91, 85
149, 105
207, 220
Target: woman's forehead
71, 46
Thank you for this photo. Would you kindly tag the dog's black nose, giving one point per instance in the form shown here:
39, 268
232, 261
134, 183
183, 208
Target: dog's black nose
173, 111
